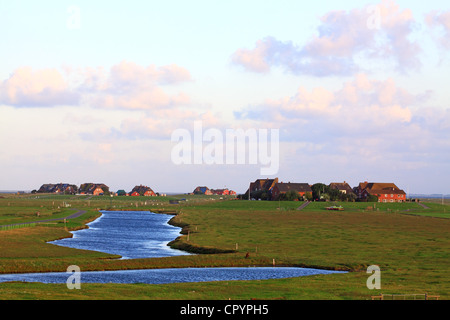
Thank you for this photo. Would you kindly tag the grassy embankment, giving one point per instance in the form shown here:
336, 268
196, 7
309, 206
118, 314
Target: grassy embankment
412, 250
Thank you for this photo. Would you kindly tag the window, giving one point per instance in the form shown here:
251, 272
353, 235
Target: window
392, 195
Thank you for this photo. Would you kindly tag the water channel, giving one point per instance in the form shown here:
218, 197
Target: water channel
143, 234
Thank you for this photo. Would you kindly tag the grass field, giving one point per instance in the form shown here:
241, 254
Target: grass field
408, 242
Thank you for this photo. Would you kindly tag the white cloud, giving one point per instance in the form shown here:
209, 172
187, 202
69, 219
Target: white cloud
255, 60
131, 86
28, 88
440, 21
126, 86
343, 37
375, 122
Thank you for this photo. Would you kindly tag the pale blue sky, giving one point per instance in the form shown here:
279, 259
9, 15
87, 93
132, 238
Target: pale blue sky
202, 38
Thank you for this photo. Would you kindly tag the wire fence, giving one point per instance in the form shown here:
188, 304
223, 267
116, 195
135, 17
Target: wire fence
17, 226
423, 296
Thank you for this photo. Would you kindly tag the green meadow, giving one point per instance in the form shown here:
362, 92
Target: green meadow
407, 241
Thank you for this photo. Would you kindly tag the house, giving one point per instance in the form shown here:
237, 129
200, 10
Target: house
261, 185
149, 193
223, 192
135, 194
203, 190
343, 187
121, 193
98, 192
386, 192
142, 191
281, 188
60, 188
94, 189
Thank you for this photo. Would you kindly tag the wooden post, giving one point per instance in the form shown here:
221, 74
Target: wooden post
273, 262
237, 246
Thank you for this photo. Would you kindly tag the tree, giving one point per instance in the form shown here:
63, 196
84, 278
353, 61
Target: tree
290, 195
325, 196
351, 197
318, 189
335, 194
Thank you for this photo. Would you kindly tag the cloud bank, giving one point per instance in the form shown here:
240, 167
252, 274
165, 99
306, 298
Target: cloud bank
39, 88
440, 21
125, 86
367, 121
379, 33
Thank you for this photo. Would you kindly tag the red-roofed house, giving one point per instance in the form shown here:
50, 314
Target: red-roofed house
386, 192
281, 188
98, 191
142, 191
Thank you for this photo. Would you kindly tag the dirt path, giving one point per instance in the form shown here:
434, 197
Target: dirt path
303, 206
423, 206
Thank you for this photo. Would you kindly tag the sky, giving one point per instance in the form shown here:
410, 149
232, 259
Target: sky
93, 91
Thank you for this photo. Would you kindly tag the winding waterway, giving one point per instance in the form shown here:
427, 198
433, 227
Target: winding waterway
143, 234
130, 234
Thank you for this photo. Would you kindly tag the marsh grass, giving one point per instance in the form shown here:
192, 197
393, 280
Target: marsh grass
412, 250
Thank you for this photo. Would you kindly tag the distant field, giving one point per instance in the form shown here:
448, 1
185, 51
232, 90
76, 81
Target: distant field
412, 248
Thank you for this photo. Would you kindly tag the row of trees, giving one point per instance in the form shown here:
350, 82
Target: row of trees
321, 191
